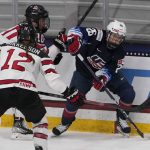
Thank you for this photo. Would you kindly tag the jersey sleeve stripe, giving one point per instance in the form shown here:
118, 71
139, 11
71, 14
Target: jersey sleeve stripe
12, 35
99, 35
47, 62
50, 71
9, 30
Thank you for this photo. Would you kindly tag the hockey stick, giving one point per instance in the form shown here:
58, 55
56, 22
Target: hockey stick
51, 94
145, 104
87, 12
89, 102
111, 96
63, 30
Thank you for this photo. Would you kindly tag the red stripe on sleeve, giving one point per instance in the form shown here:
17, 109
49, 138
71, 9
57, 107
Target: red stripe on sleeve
12, 35
14, 28
47, 62
50, 71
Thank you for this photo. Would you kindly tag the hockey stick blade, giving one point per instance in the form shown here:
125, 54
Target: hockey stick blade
125, 114
137, 129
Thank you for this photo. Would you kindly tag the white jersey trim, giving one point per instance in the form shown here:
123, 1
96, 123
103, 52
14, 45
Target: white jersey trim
99, 35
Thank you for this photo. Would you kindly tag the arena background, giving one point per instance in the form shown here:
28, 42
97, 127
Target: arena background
66, 13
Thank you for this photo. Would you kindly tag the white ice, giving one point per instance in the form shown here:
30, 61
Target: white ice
77, 141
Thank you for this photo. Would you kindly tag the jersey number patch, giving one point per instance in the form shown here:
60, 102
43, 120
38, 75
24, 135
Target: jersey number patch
91, 31
24, 57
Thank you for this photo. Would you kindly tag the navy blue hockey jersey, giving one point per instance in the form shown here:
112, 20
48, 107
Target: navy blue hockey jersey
95, 52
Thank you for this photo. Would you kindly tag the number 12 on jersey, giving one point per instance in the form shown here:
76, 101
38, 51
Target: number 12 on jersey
23, 57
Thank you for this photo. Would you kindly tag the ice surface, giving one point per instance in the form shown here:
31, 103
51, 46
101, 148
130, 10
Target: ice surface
77, 141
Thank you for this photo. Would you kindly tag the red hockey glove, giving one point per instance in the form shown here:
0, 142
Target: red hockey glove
74, 97
100, 85
104, 76
60, 40
74, 43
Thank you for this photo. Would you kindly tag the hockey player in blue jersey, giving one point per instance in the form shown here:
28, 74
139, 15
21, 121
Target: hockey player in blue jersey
103, 52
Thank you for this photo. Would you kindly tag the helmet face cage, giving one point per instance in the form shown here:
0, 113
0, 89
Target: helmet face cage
26, 35
43, 24
34, 13
116, 32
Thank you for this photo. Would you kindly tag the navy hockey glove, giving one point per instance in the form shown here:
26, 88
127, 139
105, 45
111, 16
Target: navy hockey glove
74, 43
60, 40
104, 76
74, 97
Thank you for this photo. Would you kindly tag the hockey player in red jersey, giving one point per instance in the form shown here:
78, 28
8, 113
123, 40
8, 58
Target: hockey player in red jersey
37, 17
20, 63
102, 50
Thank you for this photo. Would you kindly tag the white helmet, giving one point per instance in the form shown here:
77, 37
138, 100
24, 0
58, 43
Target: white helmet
117, 27
116, 32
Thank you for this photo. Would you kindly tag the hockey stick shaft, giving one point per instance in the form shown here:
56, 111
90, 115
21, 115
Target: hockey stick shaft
146, 103
63, 30
89, 102
87, 12
51, 94
111, 96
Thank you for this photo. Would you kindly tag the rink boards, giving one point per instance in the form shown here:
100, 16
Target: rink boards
101, 119
88, 119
